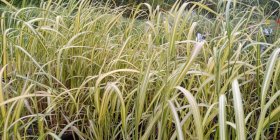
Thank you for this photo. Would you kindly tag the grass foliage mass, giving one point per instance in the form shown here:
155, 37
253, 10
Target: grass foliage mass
81, 68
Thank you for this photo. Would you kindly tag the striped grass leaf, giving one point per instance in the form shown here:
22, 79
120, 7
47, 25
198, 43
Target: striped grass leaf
14, 99
67, 127
30, 56
273, 115
264, 90
195, 111
268, 75
222, 117
152, 123
174, 29
228, 17
59, 67
141, 96
8, 121
186, 117
104, 104
239, 112
277, 74
5, 52
189, 37
19, 107
2, 99
123, 109
179, 75
179, 130
101, 77
210, 115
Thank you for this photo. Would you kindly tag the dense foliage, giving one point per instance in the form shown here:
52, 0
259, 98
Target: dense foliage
270, 4
194, 71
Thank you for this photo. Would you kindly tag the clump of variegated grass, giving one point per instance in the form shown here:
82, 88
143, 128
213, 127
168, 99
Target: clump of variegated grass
84, 69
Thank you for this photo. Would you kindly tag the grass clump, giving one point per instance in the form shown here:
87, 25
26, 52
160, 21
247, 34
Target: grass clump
83, 69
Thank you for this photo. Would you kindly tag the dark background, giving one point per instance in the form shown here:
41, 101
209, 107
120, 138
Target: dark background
268, 6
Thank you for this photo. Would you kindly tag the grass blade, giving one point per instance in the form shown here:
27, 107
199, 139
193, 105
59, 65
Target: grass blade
195, 112
239, 113
222, 117
180, 134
